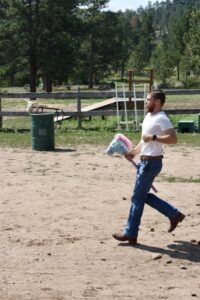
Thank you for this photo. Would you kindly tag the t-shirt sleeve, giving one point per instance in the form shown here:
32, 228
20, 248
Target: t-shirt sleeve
165, 123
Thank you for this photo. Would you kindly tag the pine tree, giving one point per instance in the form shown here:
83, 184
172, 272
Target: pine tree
36, 36
92, 22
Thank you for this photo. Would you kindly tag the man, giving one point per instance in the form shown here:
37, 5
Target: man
156, 130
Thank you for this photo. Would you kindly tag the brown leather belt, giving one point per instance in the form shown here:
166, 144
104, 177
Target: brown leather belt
144, 157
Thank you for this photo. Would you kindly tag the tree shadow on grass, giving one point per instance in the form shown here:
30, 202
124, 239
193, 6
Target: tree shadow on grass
15, 130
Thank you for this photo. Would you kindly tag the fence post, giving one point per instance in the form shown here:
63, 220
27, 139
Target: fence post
130, 81
79, 125
1, 118
151, 79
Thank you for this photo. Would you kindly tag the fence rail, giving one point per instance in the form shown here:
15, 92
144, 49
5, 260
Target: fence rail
109, 112
89, 95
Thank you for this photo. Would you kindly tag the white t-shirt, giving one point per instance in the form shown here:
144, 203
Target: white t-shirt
154, 124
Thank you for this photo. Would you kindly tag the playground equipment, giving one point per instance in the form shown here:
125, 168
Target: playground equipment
117, 107
132, 79
137, 104
137, 99
124, 99
132, 103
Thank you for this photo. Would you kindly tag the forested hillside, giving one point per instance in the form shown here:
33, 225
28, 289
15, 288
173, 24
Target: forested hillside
80, 42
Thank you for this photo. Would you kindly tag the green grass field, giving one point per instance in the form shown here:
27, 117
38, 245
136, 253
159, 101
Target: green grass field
16, 131
97, 132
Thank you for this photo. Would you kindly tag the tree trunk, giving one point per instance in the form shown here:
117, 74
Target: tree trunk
32, 80
12, 80
164, 81
178, 71
95, 78
91, 64
59, 81
48, 84
33, 72
122, 71
43, 83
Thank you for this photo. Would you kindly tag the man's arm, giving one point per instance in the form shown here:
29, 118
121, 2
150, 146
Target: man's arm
168, 137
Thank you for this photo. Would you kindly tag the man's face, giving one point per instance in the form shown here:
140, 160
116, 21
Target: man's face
150, 103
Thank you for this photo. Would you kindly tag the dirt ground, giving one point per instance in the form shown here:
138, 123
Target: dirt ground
58, 212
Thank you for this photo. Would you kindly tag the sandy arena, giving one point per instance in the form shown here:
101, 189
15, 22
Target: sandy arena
59, 210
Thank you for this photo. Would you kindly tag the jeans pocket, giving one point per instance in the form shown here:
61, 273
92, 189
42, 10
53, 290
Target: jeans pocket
143, 167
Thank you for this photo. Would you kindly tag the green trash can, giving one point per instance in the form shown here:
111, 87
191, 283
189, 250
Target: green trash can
186, 126
42, 130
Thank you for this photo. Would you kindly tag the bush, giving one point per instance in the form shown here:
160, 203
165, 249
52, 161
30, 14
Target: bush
192, 82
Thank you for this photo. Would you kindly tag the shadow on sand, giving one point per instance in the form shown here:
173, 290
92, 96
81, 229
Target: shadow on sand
64, 150
179, 250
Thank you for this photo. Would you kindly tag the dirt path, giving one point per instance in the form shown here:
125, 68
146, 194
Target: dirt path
59, 210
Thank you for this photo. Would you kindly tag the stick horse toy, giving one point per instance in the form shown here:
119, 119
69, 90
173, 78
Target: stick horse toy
122, 145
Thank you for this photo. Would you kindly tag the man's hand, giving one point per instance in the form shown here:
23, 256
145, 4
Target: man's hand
130, 155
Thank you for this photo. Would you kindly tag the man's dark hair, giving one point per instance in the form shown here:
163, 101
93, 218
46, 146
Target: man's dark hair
158, 94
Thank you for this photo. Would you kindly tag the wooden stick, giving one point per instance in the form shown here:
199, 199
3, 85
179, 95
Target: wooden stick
135, 165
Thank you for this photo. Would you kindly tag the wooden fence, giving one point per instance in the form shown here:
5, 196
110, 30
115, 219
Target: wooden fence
88, 95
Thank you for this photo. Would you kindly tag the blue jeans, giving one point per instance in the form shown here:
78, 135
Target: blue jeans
146, 172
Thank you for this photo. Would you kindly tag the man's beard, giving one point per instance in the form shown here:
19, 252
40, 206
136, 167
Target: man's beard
151, 108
